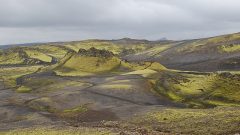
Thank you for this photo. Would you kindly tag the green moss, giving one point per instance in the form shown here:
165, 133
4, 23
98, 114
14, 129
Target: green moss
205, 44
174, 96
10, 74
11, 58
56, 51
199, 90
24, 89
83, 66
230, 48
221, 103
38, 55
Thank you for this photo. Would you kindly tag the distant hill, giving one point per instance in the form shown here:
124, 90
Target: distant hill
207, 54
18, 45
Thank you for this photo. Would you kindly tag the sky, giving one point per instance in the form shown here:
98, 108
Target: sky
26, 21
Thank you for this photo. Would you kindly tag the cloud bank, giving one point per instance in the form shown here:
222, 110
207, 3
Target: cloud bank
24, 21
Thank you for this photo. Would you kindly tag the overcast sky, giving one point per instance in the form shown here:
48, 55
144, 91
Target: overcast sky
23, 21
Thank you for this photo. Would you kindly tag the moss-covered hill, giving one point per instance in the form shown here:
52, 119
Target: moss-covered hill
95, 61
200, 90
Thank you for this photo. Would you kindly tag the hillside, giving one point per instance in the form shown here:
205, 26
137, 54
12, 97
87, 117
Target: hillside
95, 61
20, 56
209, 54
124, 86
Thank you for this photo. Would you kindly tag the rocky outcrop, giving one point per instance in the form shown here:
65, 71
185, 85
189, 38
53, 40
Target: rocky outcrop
93, 52
31, 61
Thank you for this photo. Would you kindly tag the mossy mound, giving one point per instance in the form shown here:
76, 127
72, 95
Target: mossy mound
24, 89
88, 64
95, 61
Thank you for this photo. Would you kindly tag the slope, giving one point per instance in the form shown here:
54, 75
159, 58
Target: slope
209, 54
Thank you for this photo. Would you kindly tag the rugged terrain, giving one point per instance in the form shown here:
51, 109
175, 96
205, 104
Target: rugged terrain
124, 86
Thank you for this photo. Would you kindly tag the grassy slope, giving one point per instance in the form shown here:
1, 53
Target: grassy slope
201, 44
230, 48
199, 90
10, 58
209, 54
11, 74
38, 55
96, 44
56, 51
154, 51
42, 53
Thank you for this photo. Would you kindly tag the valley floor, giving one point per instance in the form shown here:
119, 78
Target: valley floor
105, 104
107, 97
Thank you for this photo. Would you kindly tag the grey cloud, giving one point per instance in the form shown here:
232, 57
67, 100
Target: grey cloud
60, 20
